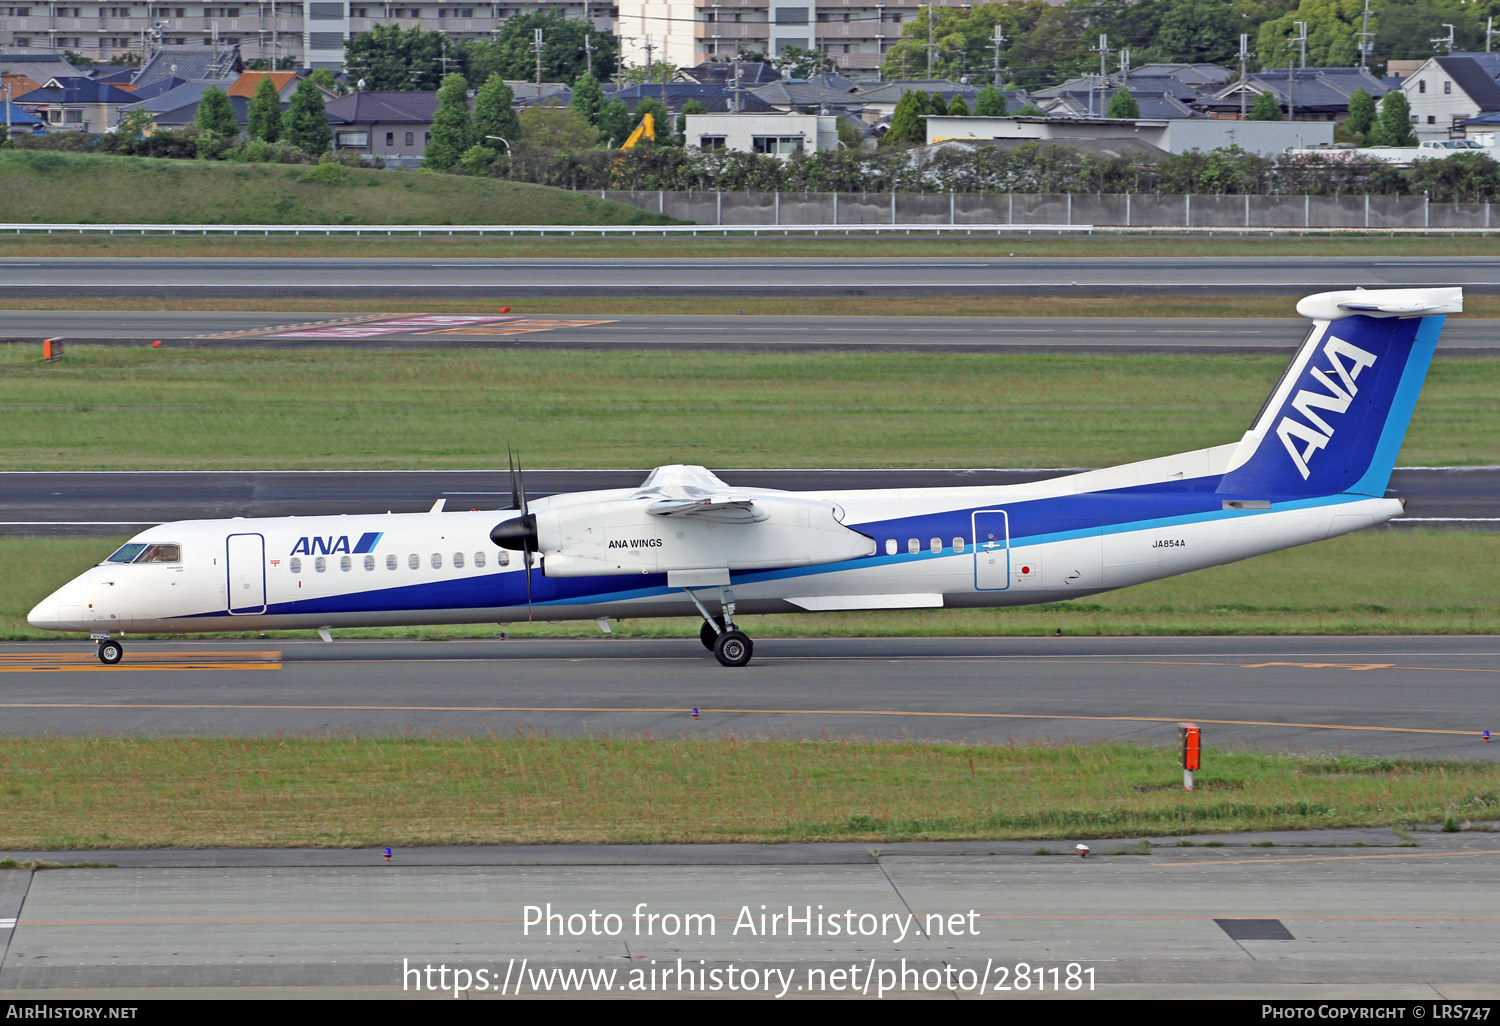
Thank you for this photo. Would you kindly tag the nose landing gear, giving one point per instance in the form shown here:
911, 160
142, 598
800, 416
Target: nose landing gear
110, 652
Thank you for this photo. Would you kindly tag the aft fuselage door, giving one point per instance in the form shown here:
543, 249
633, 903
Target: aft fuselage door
245, 567
991, 550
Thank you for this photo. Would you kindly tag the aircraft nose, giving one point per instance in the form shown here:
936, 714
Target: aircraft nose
60, 611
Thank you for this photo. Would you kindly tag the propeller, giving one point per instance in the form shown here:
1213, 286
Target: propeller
518, 534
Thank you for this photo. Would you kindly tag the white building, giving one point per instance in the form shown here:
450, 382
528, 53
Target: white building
1266, 138
781, 134
1444, 92
855, 33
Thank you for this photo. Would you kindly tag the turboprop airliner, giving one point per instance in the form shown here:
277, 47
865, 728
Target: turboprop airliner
1314, 464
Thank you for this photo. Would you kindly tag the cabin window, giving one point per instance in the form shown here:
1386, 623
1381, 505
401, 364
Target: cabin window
369, 563
890, 546
414, 561
503, 558
346, 564
320, 564
437, 560
936, 545
458, 561
958, 544
391, 562
146, 552
295, 566
913, 546
479, 559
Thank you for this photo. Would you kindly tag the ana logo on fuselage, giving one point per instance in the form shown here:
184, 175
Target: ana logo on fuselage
333, 545
1346, 361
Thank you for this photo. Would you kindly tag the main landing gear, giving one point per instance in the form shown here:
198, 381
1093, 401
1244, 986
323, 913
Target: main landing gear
110, 652
730, 645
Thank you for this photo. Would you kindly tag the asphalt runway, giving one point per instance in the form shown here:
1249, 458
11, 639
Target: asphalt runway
428, 277
107, 504
1412, 697
594, 332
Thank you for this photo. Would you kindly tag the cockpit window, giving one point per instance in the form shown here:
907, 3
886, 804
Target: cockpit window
145, 552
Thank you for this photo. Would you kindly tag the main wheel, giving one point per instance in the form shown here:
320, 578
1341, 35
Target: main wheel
111, 652
708, 635
733, 648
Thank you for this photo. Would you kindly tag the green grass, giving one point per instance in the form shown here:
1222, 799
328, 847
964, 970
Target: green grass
363, 792
108, 408
51, 188
1375, 582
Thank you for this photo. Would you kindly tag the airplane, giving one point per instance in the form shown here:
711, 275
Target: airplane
1314, 464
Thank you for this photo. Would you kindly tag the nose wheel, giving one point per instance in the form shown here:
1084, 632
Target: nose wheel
111, 652
733, 648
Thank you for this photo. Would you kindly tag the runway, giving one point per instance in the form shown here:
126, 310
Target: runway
821, 276
108, 504
1412, 697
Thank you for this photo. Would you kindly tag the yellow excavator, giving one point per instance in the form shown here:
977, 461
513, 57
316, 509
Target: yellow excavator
645, 130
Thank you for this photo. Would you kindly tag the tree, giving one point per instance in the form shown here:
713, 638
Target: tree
215, 114
493, 116
1197, 31
564, 59
306, 126
660, 116
452, 129
615, 123
476, 161
958, 108
389, 57
325, 78
1393, 125
1361, 117
1265, 108
557, 127
134, 123
265, 112
796, 62
588, 97
691, 107
1123, 105
907, 127
990, 103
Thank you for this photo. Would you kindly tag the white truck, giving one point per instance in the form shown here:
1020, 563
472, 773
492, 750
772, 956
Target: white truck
1402, 156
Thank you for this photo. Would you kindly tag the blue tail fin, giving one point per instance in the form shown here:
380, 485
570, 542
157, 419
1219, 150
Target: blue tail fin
1337, 417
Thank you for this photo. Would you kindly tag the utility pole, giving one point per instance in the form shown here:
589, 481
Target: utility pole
931, 17
1302, 43
735, 89
1244, 57
1448, 39
537, 48
1291, 99
1489, 31
588, 52
1365, 35
1103, 53
999, 38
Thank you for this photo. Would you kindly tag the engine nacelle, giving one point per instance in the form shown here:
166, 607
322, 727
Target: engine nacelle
623, 537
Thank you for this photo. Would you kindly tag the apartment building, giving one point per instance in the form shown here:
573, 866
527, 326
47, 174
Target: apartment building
855, 33
310, 32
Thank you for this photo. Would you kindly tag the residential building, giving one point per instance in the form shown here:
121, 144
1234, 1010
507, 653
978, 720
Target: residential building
1309, 94
76, 104
1446, 92
395, 126
779, 134
1179, 135
854, 34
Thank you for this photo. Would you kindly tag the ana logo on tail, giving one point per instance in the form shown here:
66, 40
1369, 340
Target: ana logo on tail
1340, 394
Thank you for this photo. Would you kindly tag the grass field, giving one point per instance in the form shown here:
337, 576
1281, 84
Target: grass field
1375, 582
110, 408
52, 188
364, 792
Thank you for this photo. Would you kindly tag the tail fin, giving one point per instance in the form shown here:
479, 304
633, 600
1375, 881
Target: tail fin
1336, 419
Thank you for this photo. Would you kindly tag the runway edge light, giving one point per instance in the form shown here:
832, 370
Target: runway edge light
1191, 747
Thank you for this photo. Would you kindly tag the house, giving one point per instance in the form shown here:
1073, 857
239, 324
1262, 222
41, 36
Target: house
716, 99
1152, 104
394, 126
190, 63
1172, 135
1311, 94
1446, 92
76, 104
248, 82
775, 133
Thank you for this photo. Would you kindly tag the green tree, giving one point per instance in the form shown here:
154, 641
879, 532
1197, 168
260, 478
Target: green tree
134, 123
389, 57
1331, 39
907, 127
1122, 105
493, 116
660, 116
588, 97
958, 108
452, 129
990, 103
326, 78
1197, 31
615, 123
306, 126
265, 112
796, 62
476, 161
215, 114
510, 53
1393, 125
557, 127
1361, 117
1265, 108
963, 40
